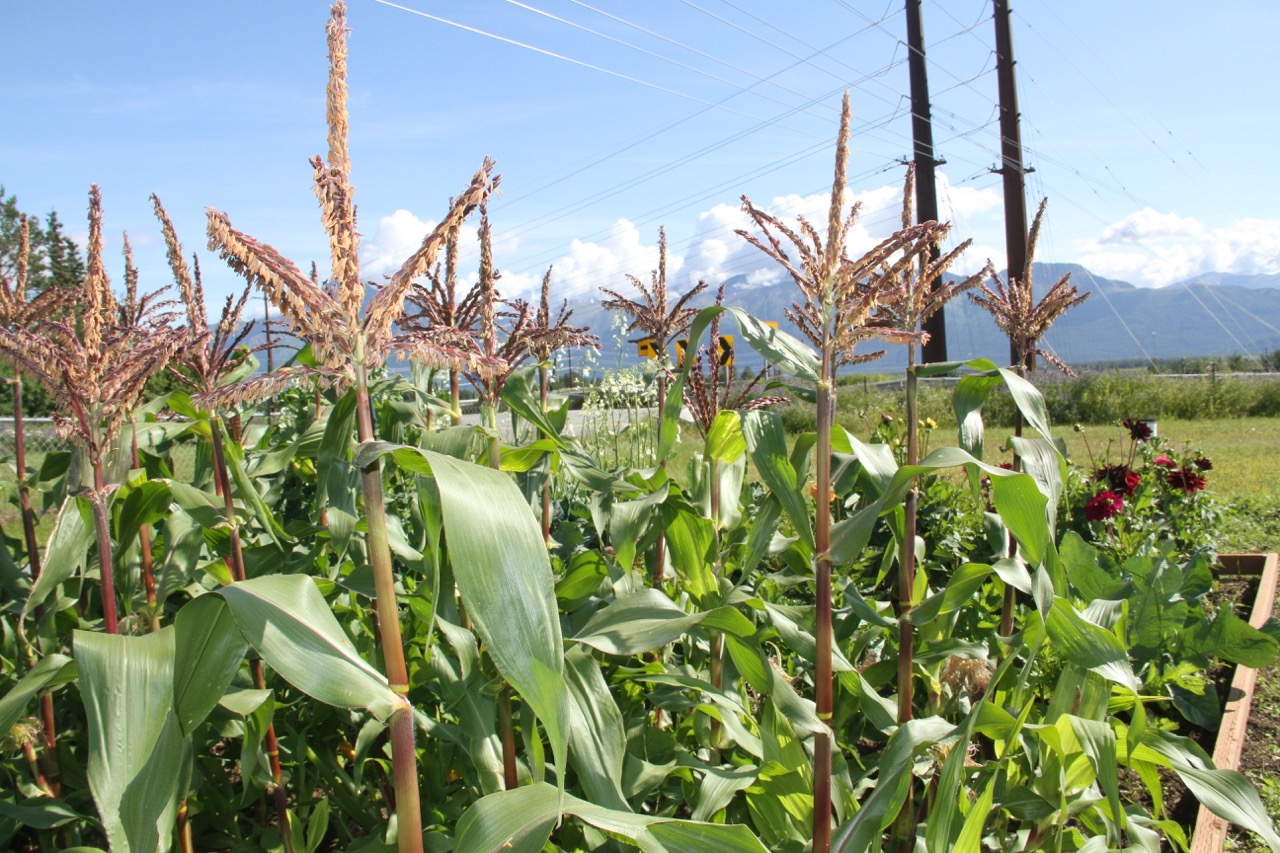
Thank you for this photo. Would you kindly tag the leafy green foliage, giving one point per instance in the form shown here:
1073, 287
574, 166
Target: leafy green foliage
1036, 738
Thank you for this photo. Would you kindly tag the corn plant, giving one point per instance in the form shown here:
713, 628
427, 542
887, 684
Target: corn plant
97, 370
440, 306
839, 296
20, 312
661, 324
1012, 304
923, 292
210, 361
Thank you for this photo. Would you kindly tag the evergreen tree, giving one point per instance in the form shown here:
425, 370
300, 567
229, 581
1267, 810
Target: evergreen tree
55, 259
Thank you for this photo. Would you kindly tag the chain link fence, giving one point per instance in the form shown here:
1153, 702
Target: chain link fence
42, 438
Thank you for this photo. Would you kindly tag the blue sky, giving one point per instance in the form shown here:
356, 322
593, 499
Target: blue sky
1150, 126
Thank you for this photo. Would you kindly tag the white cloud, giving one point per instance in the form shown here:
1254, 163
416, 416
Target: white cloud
397, 237
958, 203
1150, 248
1148, 225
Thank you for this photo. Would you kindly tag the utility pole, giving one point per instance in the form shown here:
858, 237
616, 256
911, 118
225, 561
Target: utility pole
935, 349
266, 325
1011, 169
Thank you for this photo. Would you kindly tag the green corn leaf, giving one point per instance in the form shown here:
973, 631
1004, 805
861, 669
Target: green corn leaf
521, 820
725, 442
1098, 741
521, 396
139, 760
339, 424
690, 542
209, 648
41, 813
648, 620
879, 809
1024, 509
1230, 796
234, 456
145, 503
341, 487
1226, 793
967, 399
628, 522
766, 440
290, 624
597, 739
48, 672
66, 552
517, 821
503, 572
970, 838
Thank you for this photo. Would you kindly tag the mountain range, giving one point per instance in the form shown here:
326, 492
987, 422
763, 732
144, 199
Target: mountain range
1213, 314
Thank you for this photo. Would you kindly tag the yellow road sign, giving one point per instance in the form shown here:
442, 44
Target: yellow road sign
724, 352
647, 348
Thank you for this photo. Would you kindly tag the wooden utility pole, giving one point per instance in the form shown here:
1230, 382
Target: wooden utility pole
935, 349
1011, 169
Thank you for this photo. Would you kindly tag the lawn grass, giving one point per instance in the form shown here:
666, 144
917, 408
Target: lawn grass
1245, 475
1243, 452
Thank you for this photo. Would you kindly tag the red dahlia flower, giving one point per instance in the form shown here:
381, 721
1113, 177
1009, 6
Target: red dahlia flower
1138, 430
1103, 506
1121, 478
1165, 462
1187, 479
1203, 464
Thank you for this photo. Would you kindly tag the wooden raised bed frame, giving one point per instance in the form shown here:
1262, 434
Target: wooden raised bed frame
1211, 831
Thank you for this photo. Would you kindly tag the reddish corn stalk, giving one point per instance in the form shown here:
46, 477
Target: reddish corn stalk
921, 292
840, 296
1013, 306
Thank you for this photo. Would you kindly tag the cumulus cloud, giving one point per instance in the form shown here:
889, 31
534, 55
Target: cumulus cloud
1151, 248
397, 237
706, 249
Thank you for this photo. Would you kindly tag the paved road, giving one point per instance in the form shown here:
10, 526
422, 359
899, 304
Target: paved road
575, 423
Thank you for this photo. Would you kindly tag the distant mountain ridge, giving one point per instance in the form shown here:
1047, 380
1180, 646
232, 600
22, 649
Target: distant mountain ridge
1209, 315
1214, 314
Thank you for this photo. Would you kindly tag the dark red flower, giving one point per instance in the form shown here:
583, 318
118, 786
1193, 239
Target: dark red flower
1121, 478
1165, 462
1203, 464
1138, 430
1103, 506
1187, 479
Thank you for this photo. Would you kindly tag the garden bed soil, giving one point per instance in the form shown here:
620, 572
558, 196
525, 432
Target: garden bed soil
1250, 581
